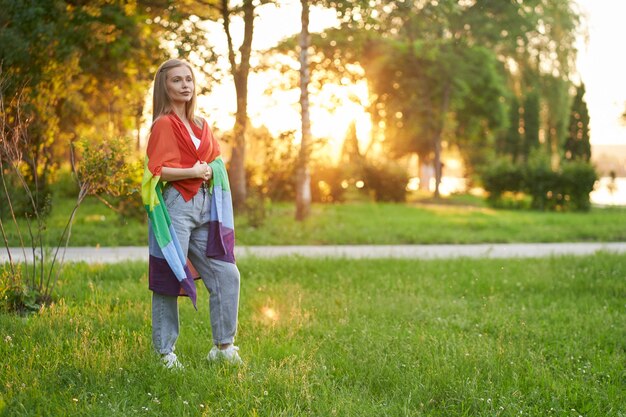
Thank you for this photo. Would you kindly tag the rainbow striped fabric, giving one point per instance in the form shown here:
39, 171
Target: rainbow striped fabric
221, 244
170, 272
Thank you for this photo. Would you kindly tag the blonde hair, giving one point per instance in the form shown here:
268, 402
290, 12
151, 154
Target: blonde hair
161, 103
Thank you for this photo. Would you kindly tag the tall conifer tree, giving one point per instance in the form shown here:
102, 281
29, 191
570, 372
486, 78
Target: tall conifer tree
577, 145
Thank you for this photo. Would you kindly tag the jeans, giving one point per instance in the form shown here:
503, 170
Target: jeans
190, 221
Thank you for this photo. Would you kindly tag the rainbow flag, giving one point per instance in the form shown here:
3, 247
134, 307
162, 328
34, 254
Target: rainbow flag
169, 272
221, 243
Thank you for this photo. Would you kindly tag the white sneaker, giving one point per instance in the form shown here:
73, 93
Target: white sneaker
171, 361
229, 355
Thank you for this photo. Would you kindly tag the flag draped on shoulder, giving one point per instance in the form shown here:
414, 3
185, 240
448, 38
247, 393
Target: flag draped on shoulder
221, 244
170, 145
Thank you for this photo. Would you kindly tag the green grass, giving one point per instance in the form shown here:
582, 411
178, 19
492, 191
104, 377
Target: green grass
369, 223
360, 223
544, 337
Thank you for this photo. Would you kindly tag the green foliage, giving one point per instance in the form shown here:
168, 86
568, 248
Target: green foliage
541, 182
103, 168
78, 69
256, 207
555, 110
387, 181
509, 142
128, 204
500, 177
443, 70
566, 189
577, 145
577, 181
64, 183
109, 169
531, 124
23, 206
16, 296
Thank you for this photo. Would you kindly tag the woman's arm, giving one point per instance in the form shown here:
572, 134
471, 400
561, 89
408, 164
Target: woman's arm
199, 170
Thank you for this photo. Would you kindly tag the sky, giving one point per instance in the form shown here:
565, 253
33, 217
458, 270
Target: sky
600, 64
602, 67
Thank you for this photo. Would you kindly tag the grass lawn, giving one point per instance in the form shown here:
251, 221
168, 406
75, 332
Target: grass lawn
468, 337
360, 223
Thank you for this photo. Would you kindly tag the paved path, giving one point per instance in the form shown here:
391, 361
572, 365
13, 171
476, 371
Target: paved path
506, 250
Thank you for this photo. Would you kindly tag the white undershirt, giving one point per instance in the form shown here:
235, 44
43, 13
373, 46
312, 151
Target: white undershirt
195, 140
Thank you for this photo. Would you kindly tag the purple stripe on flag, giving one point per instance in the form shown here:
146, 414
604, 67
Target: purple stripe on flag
162, 280
190, 290
221, 243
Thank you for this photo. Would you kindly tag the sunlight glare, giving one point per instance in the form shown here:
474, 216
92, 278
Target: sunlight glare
269, 313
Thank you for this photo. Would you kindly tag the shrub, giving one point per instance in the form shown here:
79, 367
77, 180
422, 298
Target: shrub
501, 177
64, 183
577, 179
387, 181
103, 169
15, 295
563, 190
129, 203
541, 182
274, 166
326, 184
255, 206
20, 200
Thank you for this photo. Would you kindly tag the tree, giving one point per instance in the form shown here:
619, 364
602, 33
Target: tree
82, 69
577, 145
509, 142
422, 60
104, 168
240, 72
444, 70
303, 176
530, 123
435, 80
556, 96
350, 154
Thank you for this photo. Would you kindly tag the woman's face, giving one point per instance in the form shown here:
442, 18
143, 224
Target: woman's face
180, 84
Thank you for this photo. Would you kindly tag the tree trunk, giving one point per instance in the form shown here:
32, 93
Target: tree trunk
238, 151
240, 73
303, 176
138, 118
445, 103
424, 171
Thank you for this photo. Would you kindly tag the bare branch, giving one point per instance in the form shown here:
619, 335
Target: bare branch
229, 39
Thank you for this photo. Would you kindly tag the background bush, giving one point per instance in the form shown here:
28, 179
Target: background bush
565, 189
541, 183
21, 202
501, 177
577, 181
326, 184
386, 181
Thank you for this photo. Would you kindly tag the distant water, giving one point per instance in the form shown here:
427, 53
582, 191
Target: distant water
609, 193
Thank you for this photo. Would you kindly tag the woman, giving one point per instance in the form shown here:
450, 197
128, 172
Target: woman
185, 190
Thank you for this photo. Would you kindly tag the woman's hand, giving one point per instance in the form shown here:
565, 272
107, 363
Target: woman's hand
199, 170
203, 170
